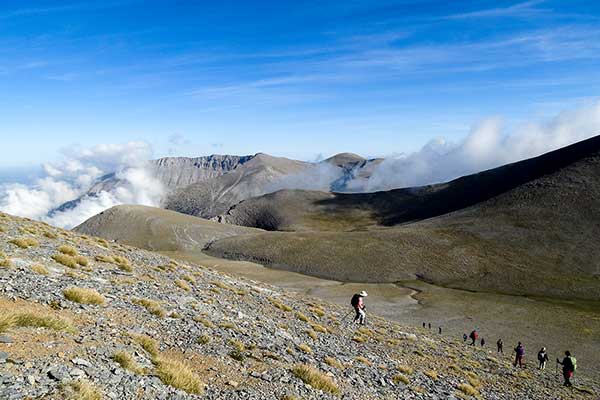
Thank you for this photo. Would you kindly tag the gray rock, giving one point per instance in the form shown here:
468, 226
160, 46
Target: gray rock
5, 339
59, 373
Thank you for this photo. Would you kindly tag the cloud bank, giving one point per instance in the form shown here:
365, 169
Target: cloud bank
80, 170
489, 144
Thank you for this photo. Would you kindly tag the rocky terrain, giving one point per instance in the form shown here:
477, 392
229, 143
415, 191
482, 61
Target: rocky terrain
527, 228
83, 318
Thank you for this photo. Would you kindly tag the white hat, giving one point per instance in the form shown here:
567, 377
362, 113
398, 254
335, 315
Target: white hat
363, 294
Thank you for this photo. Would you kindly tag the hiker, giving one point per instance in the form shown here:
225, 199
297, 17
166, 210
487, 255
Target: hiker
430, 325
482, 342
473, 336
359, 306
569, 364
542, 358
519, 353
500, 346
465, 337
424, 324
440, 330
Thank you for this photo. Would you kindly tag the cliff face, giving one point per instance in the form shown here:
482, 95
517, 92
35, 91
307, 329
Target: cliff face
176, 172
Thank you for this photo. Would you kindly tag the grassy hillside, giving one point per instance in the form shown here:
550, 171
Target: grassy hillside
95, 320
525, 228
157, 229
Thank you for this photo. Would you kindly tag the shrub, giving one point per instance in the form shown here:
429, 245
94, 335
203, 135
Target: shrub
183, 285
40, 269
123, 263
177, 374
237, 344
152, 306
5, 261
315, 378
227, 325
237, 355
65, 259
102, 242
68, 250
313, 335
24, 242
83, 296
317, 311
81, 260
188, 278
359, 339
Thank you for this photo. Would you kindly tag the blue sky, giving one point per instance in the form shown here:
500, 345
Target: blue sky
290, 78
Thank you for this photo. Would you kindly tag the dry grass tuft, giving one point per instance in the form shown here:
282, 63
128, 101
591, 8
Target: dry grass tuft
363, 360
468, 389
123, 263
313, 335
304, 348
176, 373
152, 306
5, 261
405, 369
105, 259
65, 259
318, 328
302, 317
400, 378
148, 344
204, 322
24, 243
83, 296
431, 374
50, 235
183, 285
40, 269
126, 361
280, 305
203, 339
82, 390
315, 378
34, 319
68, 250
334, 363
318, 311
81, 260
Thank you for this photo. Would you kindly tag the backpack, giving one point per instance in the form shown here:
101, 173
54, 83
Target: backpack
520, 350
354, 301
574, 363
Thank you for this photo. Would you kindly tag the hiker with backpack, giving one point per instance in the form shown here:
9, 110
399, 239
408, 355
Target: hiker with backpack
569, 365
482, 342
500, 346
465, 337
359, 307
473, 336
519, 354
542, 358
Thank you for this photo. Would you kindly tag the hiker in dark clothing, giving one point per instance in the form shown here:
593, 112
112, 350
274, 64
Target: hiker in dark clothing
519, 354
424, 324
542, 358
430, 325
482, 342
473, 336
465, 337
440, 330
359, 307
500, 346
569, 364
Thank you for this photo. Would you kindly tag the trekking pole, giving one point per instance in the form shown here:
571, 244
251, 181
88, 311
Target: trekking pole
346, 316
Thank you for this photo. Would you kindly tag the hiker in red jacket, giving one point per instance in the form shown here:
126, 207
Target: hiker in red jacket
519, 353
473, 336
359, 307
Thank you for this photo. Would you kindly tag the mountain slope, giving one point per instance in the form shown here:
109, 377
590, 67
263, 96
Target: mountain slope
157, 229
525, 228
215, 196
120, 322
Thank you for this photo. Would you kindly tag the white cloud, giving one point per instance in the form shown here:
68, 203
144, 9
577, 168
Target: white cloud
489, 144
80, 169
